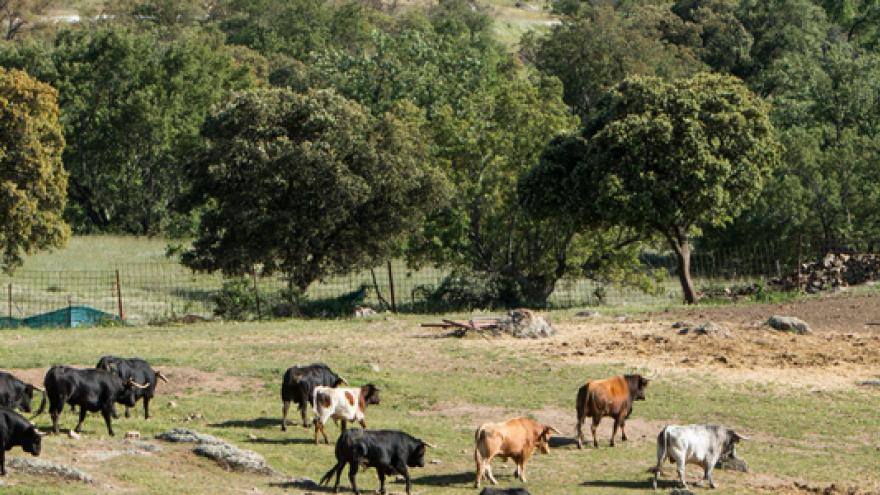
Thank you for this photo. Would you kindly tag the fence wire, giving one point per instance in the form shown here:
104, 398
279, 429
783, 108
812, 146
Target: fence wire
143, 293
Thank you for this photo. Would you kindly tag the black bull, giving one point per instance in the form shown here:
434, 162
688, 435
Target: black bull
137, 370
15, 430
298, 385
16, 394
93, 390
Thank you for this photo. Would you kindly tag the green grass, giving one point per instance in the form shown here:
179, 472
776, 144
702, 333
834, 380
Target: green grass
820, 438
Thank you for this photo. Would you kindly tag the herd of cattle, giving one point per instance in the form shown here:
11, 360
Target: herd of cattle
125, 381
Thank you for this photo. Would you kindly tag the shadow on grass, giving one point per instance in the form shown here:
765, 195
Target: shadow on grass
305, 484
644, 484
250, 423
466, 477
556, 442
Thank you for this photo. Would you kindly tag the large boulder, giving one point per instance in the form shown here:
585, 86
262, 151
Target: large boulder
48, 468
789, 324
524, 323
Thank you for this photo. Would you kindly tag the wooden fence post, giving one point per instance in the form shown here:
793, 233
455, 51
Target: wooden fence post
119, 297
10, 299
391, 288
256, 291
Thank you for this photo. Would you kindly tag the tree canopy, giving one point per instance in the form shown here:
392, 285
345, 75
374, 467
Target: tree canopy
33, 182
308, 184
663, 158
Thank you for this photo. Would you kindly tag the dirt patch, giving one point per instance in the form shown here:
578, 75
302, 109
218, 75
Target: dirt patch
843, 313
751, 350
187, 381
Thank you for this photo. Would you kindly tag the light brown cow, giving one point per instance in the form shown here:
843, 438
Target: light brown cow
515, 439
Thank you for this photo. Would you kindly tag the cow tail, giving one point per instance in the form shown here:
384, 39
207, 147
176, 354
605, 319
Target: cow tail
42, 406
662, 448
479, 438
581, 405
338, 467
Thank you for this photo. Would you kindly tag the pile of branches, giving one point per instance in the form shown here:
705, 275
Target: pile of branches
734, 292
832, 272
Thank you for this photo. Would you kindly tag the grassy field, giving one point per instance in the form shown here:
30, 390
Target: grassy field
226, 379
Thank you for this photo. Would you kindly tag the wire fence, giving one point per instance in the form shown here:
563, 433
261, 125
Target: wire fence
144, 293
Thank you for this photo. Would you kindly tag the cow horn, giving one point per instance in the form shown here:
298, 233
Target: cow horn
554, 430
160, 376
40, 433
653, 376
742, 437
429, 445
343, 380
39, 388
138, 385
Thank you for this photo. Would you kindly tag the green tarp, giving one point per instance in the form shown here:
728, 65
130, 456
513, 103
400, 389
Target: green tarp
69, 317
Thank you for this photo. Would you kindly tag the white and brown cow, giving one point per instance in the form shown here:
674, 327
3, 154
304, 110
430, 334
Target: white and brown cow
342, 403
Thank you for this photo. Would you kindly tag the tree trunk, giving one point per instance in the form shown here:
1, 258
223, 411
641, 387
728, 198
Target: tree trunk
682, 249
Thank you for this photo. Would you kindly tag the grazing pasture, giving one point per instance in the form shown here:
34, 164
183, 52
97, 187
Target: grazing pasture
810, 424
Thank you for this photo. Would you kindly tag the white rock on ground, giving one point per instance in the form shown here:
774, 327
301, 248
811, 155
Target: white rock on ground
224, 453
36, 466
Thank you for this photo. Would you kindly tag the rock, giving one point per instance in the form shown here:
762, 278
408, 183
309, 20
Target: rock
36, 466
172, 404
682, 324
251, 437
375, 367
587, 314
681, 491
436, 461
869, 383
234, 458
709, 328
185, 435
523, 323
732, 464
132, 435
789, 324
363, 312
72, 434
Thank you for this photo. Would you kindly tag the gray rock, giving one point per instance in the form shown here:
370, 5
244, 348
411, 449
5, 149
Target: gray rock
732, 464
140, 445
234, 458
709, 328
869, 383
185, 435
36, 466
681, 491
523, 323
789, 324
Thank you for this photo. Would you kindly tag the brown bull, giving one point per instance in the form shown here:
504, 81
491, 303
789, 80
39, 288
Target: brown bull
515, 439
612, 397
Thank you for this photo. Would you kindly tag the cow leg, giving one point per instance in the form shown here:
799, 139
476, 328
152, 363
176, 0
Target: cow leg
302, 412
343, 425
381, 473
593, 428
479, 463
338, 475
489, 471
707, 474
107, 413
352, 475
614, 430
680, 466
402, 469
580, 432
54, 415
127, 412
363, 422
521, 467
2, 461
317, 426
82, 417
146, 407
285, 406
623, 430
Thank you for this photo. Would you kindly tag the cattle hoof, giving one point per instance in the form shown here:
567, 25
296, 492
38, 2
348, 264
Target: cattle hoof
283, 428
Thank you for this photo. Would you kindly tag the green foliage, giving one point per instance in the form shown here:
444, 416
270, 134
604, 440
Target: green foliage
129, 137
236, 300
595, 48
308, 184
33, 182
661, 158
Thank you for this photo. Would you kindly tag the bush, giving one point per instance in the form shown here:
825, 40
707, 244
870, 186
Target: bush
236, 300
334, 307
461, 291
